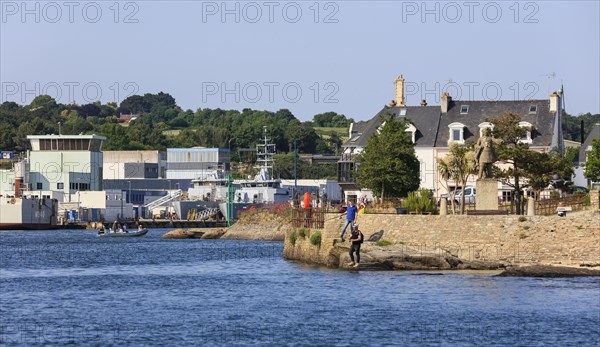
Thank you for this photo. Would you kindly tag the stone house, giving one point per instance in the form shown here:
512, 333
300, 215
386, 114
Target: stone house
434, 128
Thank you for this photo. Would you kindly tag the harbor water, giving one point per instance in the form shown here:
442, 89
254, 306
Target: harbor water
71, 287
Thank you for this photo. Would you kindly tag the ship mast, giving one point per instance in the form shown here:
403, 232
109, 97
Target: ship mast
264, 154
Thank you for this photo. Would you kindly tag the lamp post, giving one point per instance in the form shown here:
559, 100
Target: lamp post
230, 156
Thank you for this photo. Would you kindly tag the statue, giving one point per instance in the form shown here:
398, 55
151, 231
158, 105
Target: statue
484, 154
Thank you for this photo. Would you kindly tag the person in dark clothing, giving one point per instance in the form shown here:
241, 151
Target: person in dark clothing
356, 240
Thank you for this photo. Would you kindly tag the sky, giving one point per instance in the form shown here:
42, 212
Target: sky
307, 56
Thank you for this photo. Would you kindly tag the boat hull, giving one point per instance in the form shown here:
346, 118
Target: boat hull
26, 226
27, 213
135, 234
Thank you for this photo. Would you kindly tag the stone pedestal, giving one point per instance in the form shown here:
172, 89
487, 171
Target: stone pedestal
487, 194
530, 206
443, 207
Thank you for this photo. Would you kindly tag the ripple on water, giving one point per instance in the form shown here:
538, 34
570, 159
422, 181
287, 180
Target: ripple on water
69, 287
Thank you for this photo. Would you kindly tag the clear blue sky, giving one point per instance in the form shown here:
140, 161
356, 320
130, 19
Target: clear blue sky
345, 62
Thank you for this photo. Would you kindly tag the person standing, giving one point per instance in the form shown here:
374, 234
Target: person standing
356, 239
351, 212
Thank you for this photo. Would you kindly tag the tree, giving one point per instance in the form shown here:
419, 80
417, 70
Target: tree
543, 169
513, 152
526, 168
592, 165
388, 165
458, 166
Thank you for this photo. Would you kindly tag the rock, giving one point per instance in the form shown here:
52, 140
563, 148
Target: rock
213, 233
376, 237
177, 234
548, 271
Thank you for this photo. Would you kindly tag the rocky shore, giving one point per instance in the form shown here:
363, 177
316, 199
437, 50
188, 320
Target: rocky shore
258, 226
542, 246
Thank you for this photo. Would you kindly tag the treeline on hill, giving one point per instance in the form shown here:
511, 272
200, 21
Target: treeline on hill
161, 124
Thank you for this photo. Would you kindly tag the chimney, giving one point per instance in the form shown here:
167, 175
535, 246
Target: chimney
445, 101
400, 91
554, 102
423, 102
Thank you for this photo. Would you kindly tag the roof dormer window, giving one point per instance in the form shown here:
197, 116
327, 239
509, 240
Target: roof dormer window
464, 109
529, 127
403, 112
457, 131
485, 125
412, 130
533, 109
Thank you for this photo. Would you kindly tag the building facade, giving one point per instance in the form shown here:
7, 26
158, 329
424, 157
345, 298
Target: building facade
193, 163
65, 163
434, 128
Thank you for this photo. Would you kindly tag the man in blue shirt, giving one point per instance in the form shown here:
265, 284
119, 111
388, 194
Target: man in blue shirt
351, 212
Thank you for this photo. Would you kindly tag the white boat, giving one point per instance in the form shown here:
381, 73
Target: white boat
121, 233
27, 212
209, 193
263, 190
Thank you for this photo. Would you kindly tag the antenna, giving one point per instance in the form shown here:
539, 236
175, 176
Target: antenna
549, 76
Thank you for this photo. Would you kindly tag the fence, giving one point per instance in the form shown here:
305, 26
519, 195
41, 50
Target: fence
577, 202
313, 218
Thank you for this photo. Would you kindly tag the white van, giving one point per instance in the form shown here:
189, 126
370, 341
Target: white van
470, 193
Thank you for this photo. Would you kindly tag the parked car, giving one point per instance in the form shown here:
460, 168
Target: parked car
578, 189
470, 193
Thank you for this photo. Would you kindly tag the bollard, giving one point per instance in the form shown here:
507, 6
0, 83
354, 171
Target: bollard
443, 207
530, 206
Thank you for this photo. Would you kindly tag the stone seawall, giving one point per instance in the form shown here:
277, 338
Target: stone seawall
573, 240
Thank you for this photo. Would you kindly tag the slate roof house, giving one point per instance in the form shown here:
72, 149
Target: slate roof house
581, 159
435, 127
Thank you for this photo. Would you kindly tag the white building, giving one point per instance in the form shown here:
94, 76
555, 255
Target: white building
192, 163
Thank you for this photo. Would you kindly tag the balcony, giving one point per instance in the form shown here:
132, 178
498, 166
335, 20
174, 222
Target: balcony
348, 157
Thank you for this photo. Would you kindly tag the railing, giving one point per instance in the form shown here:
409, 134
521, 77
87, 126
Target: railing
313, 218
347, 157
577, 202
169, 197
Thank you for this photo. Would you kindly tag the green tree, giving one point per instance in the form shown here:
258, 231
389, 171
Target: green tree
512, 151
388, 165
572, 125
592, 165
526, 168
542, 169
458, 166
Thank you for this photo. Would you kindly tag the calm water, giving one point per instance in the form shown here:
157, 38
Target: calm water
70, 287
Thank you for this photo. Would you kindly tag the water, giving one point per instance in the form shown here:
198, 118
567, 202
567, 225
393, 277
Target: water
70, 287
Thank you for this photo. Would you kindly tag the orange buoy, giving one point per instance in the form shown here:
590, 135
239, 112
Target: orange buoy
307, 200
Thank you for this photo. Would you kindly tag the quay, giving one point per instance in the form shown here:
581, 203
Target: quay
151, 224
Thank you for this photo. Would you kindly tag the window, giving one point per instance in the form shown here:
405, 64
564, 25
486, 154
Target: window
456, 133
533, 109
412, 130
464, 109
60, 186
485, 125
529, 127
403, 112
39, 186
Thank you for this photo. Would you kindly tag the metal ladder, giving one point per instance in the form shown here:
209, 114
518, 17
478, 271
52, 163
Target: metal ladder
167, 198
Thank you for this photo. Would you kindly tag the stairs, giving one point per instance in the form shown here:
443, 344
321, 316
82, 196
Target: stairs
165, 199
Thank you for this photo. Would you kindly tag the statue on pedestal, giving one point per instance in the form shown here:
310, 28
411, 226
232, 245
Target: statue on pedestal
484, 154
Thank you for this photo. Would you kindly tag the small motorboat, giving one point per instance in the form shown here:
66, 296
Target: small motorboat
121, 233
